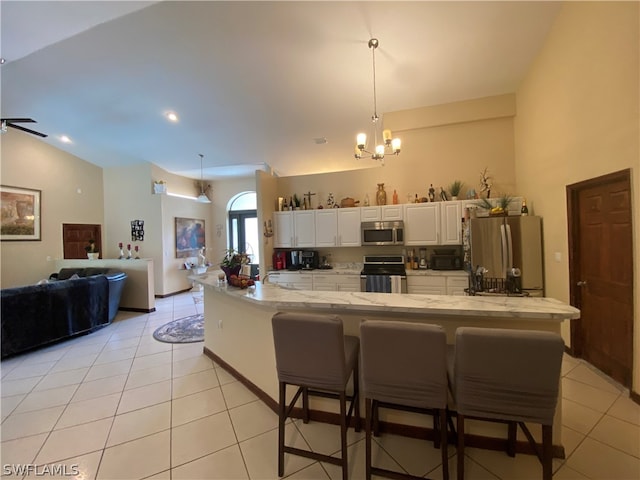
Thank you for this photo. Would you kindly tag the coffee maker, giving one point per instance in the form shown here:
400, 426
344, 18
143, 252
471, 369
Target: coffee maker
310, 259
294, 260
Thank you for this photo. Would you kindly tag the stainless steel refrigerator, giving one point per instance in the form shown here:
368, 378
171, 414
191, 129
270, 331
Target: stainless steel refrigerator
502, 243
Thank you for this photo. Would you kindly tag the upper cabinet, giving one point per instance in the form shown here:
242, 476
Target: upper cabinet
337, 227
422, 223
294, 229
451, 223
381, 213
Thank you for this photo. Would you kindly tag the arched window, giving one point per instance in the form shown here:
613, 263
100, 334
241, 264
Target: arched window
243, 225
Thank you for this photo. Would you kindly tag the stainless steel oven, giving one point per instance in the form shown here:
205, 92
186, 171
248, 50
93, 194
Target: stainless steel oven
383, 274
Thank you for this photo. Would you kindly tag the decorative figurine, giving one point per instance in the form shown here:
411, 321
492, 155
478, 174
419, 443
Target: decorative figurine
137, 250
129, 256
443, 195
330, 201
432, 193
121, 251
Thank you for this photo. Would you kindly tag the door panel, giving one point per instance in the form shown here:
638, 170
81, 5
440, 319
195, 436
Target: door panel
76, 236
602, 273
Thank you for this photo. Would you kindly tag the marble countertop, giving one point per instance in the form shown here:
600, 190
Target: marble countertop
277, 297
356, 271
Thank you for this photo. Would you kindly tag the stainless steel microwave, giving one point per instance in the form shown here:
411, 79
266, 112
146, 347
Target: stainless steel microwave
382, 233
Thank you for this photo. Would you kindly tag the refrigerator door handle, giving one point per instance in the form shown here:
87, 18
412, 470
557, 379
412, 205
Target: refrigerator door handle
509, 247
503, 251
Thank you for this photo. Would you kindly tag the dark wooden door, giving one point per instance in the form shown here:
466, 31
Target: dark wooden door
76, 236
602, 273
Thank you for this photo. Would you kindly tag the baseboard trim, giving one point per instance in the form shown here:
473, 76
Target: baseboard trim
477, 441
141, 310
635, 396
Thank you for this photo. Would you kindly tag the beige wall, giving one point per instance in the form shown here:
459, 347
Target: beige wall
578, 118
72, 192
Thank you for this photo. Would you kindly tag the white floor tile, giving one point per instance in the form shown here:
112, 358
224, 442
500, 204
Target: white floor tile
145, 396
86, 411
416, 456
597, 460
40, 399
136, 459
189, 366
60, 379
140, 378
9, 404
585, 373
252, 419
201, 437
75, 441
110, 356
197, 405
618, 434
587, 395
150, 361
72, 363
226, 464
28, 370
626, 409
22, 450
196, 382
578, 417
236, 394
98, 388
20, 425
140, 423
16, 387
83, 467
111, 369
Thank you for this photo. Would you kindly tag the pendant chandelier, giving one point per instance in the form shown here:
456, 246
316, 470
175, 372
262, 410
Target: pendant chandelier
388, 146
202, 198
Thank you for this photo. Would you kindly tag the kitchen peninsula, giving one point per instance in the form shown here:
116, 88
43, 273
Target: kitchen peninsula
238, 326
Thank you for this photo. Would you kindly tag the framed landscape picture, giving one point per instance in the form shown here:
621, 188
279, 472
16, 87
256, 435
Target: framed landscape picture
189, 237
20, 213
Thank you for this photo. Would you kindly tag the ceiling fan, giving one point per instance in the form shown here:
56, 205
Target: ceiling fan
11, 122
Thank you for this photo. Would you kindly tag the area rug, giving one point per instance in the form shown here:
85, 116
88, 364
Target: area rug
183, 330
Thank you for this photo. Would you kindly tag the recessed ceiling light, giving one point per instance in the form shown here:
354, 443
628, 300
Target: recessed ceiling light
171, 116
65, 139
2, 60
320, 140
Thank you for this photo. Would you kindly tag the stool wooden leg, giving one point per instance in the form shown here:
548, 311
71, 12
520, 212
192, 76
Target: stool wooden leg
305, 405
375, 419
367, 429
436, 429
460, 448
356, 396
511, 438
444, 444
547, 452
282, 407
343, 434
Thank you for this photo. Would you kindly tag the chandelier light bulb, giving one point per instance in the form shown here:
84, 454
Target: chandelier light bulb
395, 145
361, 140
380, 150
386, 135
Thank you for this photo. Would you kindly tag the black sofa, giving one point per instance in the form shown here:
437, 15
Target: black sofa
68, 305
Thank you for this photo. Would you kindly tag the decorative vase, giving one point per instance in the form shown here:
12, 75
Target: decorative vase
93, 256
381, 195
228, 271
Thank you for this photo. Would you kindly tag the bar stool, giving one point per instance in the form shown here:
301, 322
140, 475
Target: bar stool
404, 367
313, 354
511, 376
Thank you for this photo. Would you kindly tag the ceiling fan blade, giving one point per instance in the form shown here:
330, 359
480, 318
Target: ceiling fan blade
33, 132
18, 120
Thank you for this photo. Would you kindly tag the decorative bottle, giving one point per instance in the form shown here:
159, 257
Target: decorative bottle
381, 195
366, 200
395, 197
524, 211
121, 251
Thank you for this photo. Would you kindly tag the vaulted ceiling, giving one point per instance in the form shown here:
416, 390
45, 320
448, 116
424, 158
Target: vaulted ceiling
254, 84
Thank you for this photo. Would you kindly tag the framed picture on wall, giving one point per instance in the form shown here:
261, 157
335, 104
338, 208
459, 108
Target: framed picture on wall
20, 213
189, 237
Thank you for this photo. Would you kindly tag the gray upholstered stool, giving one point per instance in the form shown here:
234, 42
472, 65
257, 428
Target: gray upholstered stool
511, 376
313, 353
404, 367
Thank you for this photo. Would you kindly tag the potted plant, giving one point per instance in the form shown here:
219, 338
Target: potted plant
92, 250
499, 207
232, 262
455, 188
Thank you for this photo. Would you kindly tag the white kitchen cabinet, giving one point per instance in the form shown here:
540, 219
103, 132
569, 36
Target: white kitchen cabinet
337, 227
427, 285
381, 213
348, 283
456, 285
293, 280
348, 227
422, 223
451, 223
295, 229
324, 282
283, 229
326, 227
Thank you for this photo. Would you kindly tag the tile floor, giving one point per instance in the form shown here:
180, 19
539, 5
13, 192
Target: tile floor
117, 404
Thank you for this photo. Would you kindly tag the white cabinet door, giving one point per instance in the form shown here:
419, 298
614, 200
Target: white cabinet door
457, 285
422, 223
304, 228
426, 285
348, 283
391, 212
370, 214
451, 223
327, 227
348, 227
283, 229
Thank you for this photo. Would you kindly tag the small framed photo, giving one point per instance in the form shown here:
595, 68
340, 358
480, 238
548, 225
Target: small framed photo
20, 214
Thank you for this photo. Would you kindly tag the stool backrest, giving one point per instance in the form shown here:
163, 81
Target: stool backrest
507, 374
310, 349
404, 363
